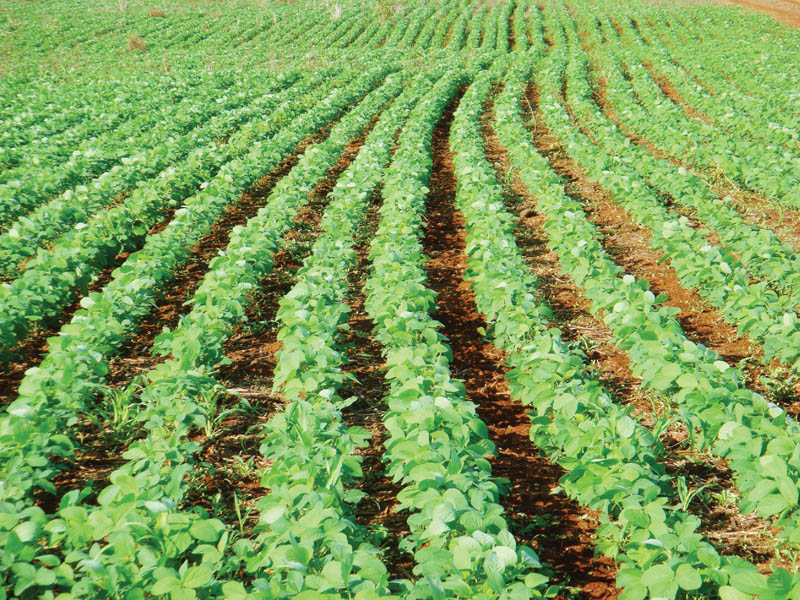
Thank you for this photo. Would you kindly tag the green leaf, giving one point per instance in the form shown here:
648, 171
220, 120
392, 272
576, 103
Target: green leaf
772, 504
534, 580
634, 592
196, 577
749, 582
45, 576
688, 577
727, 592
272, 514
658, 577
26, 531
493, 564
506, 554
233, 590
708, 555
207, 531
165, 585
332, 573
626, 426
461, 558
182, 594
688, 381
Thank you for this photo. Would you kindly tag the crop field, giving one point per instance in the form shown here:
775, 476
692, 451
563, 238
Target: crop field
393, 299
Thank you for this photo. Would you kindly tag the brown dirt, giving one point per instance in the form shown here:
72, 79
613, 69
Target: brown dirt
611, 365
136, 44
364, 361
248, 349
601, 99
783, 221
784, 11
449, 33
135, 357
733, 534
560, 530
230, 466
92, 462
512, 40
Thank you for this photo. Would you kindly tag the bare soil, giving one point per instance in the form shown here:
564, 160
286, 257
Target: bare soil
784, 11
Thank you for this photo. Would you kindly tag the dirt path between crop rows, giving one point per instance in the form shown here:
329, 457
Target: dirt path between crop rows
557, 528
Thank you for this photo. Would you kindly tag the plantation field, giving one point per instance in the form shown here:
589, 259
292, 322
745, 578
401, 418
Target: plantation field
397, 299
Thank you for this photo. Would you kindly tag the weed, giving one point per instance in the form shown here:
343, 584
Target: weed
687, 495
136, 44
781, 385
118, 411
211, 405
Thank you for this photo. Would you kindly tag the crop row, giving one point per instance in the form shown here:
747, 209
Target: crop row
610, 160
179, 392
707, 393
613, 463
737, 113
436, 446
152, 130
758, 249
54, 393
48, 283
42, 114
314, 466
47, 220
755, 164
57, 130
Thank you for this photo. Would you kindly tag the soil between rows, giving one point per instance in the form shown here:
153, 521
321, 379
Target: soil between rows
785, 11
